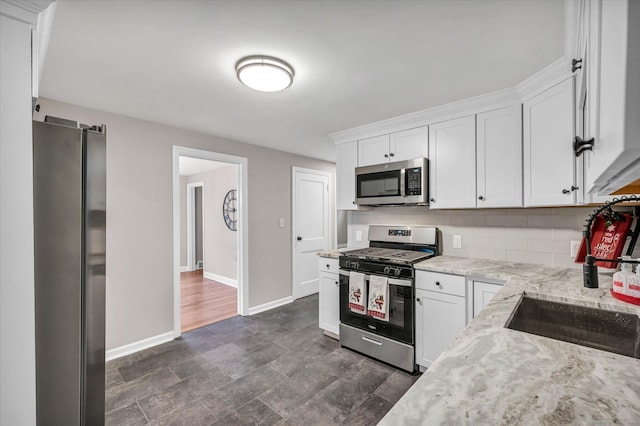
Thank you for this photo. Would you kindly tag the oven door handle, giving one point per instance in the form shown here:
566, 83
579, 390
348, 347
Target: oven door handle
391, 281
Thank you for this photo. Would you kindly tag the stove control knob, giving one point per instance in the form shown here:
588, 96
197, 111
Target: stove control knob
397, 272
386, 270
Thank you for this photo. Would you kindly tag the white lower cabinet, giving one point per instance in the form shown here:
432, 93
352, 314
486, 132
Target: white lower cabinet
440, 313
482, 294
329, 295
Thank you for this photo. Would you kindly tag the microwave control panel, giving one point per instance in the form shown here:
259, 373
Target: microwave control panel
413, 184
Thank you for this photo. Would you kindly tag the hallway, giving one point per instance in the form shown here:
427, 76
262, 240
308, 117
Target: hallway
204, 301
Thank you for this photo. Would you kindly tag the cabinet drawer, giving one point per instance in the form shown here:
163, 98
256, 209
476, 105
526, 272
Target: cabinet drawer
328, 264
442, 283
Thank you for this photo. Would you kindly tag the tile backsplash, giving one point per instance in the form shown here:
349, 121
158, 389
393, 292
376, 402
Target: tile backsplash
533, 235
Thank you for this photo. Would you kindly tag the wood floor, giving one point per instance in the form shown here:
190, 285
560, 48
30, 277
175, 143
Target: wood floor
204, 301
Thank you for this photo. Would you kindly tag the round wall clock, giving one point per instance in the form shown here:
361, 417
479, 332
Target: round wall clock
230, 210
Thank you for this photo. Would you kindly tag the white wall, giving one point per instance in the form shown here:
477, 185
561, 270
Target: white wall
139, 218
540, 235
17, 322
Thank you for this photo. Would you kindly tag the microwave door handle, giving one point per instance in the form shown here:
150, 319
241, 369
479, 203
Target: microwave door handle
402, 189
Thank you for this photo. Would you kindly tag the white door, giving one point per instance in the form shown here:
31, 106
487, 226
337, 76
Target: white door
482, 294
310, 228
549, 160
373, 150
452, 163
499, 157
409, 144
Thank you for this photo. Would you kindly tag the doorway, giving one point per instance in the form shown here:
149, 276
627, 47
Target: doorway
209, 283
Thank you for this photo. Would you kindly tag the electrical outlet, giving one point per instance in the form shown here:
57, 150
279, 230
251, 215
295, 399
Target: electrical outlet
457, 241
281, 223
358, 235
575, 246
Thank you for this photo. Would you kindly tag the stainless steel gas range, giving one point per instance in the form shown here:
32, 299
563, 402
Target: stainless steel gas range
378, 274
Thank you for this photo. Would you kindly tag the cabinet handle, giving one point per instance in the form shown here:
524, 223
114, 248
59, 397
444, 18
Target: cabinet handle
354, 203
580, 145
337, 283
574, 65
391, 154
566, 191
328, 266
574, 188
438, 283
433, 200
386, 156
481, 198
418, 299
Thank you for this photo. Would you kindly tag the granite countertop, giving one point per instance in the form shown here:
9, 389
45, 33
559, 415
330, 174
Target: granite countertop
493, 375
334, 253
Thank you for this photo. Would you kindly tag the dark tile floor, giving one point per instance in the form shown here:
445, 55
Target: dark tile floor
271, 368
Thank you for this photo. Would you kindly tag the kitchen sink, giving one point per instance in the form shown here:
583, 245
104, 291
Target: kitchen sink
611, 331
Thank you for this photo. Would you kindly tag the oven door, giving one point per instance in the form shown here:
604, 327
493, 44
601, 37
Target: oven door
401, 319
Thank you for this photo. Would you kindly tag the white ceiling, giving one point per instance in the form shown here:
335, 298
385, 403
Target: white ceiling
188, 166
356, 62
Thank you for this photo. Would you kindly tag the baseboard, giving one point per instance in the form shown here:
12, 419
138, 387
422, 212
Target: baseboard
219, 278
112, 354
184, 269
270, 305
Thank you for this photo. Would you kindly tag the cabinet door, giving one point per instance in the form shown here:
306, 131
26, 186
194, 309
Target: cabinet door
329, 303
439, 318
373, 150
346, 162
616, 152
549, 160
499, 142
452, 163
482, 294
409, 144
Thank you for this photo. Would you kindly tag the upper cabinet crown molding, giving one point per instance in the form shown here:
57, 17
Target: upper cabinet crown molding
450, 111
24, 10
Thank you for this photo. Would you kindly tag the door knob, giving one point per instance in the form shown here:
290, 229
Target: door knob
299, 238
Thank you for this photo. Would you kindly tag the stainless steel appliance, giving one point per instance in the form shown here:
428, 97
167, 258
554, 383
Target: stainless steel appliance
69, 195
391, 253
399, 183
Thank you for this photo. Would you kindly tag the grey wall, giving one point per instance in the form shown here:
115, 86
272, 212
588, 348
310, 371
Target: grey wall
139, 218
220, 243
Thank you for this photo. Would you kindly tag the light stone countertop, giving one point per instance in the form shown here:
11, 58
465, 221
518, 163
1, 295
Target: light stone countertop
334, 253
497, 376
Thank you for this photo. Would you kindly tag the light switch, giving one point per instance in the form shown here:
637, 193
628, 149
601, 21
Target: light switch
281, 224
457, 241
358, 235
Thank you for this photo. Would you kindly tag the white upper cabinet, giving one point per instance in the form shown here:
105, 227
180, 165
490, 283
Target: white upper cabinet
452, 163
549, 159
346, 162
499, 162
398, 146
409, 144
373, 150
614, 91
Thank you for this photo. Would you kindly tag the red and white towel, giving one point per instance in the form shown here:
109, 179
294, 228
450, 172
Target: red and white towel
378, 306
357, 293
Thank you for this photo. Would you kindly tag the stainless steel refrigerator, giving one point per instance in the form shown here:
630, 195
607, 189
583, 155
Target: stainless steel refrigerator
69, 194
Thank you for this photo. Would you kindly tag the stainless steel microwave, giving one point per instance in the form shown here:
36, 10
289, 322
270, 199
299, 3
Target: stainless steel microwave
397, 183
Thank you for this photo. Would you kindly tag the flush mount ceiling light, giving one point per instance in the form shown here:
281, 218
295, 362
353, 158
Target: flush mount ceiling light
264, 73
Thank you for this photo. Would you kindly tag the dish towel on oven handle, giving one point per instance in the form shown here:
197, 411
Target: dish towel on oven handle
378, 298
357, 293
